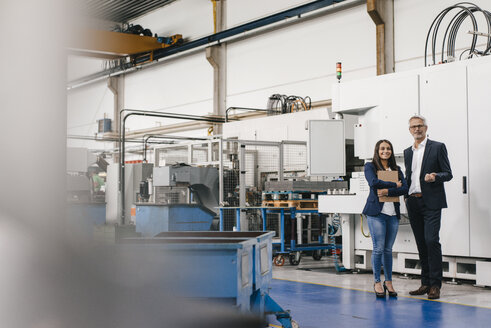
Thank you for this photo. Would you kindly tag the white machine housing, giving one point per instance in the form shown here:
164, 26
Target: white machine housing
454, 98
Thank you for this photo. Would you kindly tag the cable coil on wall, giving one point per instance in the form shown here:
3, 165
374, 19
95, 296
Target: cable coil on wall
282, 104
466, 9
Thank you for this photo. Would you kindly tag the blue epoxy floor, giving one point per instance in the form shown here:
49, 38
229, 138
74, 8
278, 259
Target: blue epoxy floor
319, 306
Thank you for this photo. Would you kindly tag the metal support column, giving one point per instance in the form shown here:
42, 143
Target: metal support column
348, 229
116, 85
293, 215
299, 227
209, 157
220, 170
217, 57
242, 186
190, 154
264, 214
238, 218
281, 164
382, 14
221, 220
282, 229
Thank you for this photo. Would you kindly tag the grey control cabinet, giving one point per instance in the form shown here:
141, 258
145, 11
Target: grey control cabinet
326, 148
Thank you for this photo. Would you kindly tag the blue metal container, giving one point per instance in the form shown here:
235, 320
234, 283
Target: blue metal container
231, 267
262, 250
82, 217
151, 219
219, 269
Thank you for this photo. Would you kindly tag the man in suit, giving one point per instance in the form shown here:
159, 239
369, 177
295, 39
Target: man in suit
427, 168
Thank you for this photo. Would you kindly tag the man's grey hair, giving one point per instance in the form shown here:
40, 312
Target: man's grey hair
421, 117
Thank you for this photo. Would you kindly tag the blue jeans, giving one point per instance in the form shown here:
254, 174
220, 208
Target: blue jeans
383, 229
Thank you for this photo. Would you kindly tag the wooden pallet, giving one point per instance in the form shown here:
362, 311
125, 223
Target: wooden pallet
292, 195
299, 204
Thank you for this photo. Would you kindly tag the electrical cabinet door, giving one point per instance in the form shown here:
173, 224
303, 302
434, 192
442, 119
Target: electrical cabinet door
326, 148
443, 102
479, 181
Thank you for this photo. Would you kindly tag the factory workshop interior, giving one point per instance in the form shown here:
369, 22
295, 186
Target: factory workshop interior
227, 163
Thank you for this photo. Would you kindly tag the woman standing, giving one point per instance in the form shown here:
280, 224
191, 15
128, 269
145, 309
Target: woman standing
383, 217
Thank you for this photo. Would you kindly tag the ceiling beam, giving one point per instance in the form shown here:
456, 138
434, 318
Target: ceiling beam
108, 44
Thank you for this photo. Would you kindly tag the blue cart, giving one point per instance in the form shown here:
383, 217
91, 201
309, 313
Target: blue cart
281, 249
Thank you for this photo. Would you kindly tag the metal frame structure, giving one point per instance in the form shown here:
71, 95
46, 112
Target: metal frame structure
220, 141
122, 140
189, 145
283, 248
219, 162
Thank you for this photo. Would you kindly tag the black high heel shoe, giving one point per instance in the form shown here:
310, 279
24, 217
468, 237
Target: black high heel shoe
379, 294
391, 294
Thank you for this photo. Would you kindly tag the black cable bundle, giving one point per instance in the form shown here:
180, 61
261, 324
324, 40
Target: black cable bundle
281, 104
467, 9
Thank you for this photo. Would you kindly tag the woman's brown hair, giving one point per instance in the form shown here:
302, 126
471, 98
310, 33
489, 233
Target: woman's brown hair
376, 158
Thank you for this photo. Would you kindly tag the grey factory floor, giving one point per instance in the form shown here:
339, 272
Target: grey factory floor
322, 272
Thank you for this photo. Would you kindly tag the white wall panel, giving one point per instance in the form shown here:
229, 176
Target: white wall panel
177, 82
239, 14
479, 158
143, 122
275, 128
317, 88
86, 105
303, 55
79, 66
179, 86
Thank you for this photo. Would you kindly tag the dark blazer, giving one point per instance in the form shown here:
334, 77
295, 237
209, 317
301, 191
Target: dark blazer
373, 206
435, 159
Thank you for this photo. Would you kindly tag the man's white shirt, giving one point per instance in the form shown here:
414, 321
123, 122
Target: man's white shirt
418, 153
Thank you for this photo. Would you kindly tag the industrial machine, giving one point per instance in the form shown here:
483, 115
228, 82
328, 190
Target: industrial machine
79, 188
135, 173
453, 98
184, 183
184, 198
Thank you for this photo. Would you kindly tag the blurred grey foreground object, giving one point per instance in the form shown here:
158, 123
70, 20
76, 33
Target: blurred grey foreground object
49, 276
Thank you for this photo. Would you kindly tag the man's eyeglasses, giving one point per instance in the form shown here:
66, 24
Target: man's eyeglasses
414, 127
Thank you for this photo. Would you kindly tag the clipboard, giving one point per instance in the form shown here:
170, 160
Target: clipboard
392, 176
